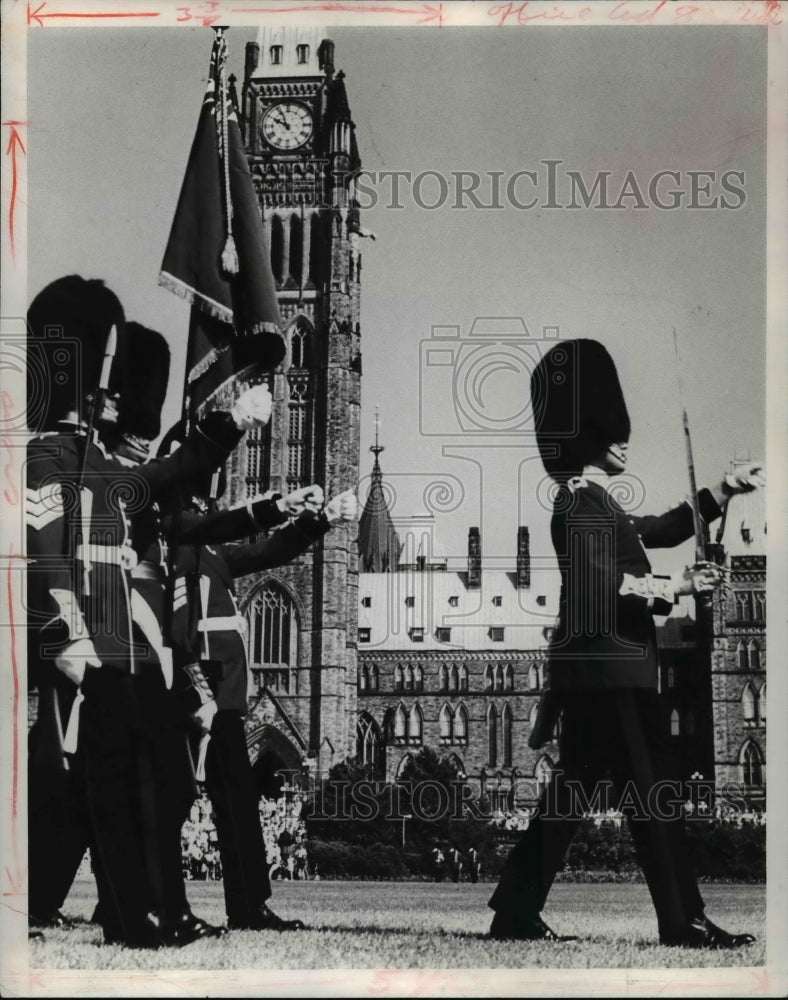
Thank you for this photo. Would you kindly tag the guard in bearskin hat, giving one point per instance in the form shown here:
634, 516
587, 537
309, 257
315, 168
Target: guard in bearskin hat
81, 652
208, 636
603, 654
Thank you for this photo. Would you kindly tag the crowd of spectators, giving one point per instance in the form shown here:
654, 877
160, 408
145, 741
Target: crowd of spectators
284, 835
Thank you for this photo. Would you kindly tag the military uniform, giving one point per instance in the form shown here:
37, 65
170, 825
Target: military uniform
207, 622
79, 587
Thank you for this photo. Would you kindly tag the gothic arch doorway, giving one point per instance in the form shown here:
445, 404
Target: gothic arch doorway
277, 761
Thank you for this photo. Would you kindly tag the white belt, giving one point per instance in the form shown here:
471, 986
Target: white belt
232, 623
113, 555
147, 571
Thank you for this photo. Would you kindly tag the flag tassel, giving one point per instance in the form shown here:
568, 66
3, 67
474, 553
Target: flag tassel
230, 256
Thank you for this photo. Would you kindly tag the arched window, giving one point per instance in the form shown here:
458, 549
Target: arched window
543, 772
445, 723
418, 678
509, 678
540, 673
416, 725
506, 724
741, 653
408, 678
762, 703
315, 249
670, 678
454, 683
302, 54
301, 344
743, 605
755, 655
461, 725
488, 678
398, 678
533, 678
299, 409
296, 256
276, 55
278, 248
273, 631
400, 724
760, 605
751, 761
498, 677
492, 736
463, 678
402, 765
363, 678
374, 679
675, 723
532, 715
257, 444
748, 703
369, 742
443, 678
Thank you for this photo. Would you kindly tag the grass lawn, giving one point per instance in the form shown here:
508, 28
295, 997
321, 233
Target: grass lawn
418, 925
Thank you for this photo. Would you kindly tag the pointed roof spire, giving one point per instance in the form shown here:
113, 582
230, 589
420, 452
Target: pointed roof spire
379, 546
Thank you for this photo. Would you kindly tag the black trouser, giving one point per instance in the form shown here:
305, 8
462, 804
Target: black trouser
623, 734
57, 818
162, 793
112, 758
230, 785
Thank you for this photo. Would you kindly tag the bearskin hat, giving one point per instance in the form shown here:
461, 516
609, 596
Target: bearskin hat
68, 324
578, 406
144, 380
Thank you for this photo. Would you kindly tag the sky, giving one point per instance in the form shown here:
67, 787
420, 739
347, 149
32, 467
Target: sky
112, 115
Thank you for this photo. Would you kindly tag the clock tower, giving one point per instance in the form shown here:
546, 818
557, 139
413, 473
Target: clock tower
302, 152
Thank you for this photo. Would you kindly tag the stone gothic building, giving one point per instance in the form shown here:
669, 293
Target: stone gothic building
302, 152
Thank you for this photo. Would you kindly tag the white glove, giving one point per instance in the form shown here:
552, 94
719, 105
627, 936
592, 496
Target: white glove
744, 481
252, 408
343, 507
701, 578
203, 717
309, 499
75, 658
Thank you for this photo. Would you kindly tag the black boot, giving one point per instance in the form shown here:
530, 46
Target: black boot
266, 920
186, 928
702, 933
507, 928
38, 921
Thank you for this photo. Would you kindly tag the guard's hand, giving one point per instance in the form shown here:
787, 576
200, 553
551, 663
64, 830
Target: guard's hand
75, 658
702, 578
307, 500
343, 507
744, 480
203, 717
252, 408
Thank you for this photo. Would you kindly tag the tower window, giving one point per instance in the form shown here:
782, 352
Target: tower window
364, 634
409, 602
496, 633
417, 635
541, 600
443, 634
298, 458
302, 54
453, 601
675, 723
258, 459
752, 766
366, 602
497, 601
276, 55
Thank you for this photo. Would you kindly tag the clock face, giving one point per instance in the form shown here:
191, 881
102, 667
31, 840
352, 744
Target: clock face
287, 125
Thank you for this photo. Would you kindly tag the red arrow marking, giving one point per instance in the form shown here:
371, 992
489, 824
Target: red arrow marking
14, 140
38, 17
429, 12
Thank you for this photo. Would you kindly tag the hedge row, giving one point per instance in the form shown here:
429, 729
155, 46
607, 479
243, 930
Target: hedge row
718, 851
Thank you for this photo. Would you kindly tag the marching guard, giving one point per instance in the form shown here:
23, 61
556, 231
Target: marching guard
88, 749
603, 654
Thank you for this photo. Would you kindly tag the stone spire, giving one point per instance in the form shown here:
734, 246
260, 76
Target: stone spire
378, 542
